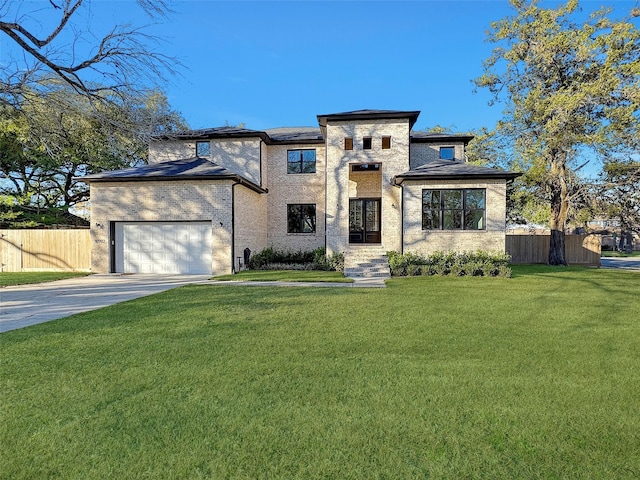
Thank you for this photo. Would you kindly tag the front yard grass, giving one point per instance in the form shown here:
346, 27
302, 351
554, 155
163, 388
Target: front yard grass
609, 253
21, 278
535, 376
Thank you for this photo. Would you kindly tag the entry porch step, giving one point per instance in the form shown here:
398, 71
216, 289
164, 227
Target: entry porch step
366, 262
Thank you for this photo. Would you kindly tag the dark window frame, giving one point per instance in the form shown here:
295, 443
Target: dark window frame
300, 165
301, 218
386, 142
202, 144
439, 212
447, 148
365, 167
367, 143
348, 143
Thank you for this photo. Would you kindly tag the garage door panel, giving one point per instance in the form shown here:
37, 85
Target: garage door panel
172, 247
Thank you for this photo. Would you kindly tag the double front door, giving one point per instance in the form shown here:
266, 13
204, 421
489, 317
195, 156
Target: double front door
364, 220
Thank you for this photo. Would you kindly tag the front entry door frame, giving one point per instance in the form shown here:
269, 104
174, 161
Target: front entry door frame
365, 220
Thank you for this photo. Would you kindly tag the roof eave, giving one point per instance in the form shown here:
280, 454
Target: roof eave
237, 178
399, 179
207, 136
318, 141
411, 115
439, 139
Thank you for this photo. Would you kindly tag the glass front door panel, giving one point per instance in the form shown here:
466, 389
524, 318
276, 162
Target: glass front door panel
364, 220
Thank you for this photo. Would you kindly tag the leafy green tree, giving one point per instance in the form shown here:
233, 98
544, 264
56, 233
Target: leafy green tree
571, 89
618, 194
54, 137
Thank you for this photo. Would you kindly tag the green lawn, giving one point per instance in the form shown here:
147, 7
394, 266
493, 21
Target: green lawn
285, 276
21, 278
536, 376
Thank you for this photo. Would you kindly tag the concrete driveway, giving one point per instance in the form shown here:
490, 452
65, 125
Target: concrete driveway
625, 263
24, 305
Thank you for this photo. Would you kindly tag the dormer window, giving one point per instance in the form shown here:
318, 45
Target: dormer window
203, 149
447, 153
366, 143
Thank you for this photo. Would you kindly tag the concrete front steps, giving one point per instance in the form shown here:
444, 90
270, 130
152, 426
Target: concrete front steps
366, 262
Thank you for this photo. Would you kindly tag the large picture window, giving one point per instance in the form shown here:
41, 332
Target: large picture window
301, 218
301, 161
453, 209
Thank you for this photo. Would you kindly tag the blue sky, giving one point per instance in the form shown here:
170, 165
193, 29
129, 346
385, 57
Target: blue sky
280, 63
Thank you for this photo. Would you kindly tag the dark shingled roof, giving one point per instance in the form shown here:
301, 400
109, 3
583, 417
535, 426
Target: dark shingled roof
450, 170
295, 135
369, 115
218, 132
187, 169
426, 137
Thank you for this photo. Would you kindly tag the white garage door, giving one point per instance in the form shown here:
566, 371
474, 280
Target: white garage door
171, 247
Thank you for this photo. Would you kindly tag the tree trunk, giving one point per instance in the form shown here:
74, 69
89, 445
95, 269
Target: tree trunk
559, 208
556, 248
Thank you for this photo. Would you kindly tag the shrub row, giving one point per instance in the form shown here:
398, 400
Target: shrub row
271, 259
473, 264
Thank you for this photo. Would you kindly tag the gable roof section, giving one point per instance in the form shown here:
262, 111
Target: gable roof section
452, 170
294, 135
272, 136
208, 133
188, 169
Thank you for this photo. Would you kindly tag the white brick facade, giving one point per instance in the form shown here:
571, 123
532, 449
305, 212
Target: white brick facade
425, 242
244, 189
294, 188
394, 161
161, 201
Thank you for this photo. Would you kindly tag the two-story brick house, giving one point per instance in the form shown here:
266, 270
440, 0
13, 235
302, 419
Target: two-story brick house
362, 181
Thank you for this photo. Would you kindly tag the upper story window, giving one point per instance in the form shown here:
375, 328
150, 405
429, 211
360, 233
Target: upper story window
203, 149
447, 153
301, 161
453, 209
386, 143
348, 143
366, 143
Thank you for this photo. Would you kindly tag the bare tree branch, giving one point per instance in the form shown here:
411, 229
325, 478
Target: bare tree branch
123, 61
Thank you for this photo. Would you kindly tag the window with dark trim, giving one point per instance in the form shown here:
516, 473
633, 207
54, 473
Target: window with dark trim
366, 143
365, 167
301, 161
203, 149
301, 218
447, 153
386, 143
453, 209
348, 143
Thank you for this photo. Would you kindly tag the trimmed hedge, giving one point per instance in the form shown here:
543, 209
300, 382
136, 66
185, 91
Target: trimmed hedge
472, 264
271, 259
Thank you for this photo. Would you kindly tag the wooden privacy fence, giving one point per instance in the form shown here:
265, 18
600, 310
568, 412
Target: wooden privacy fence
41, 250
579, 249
